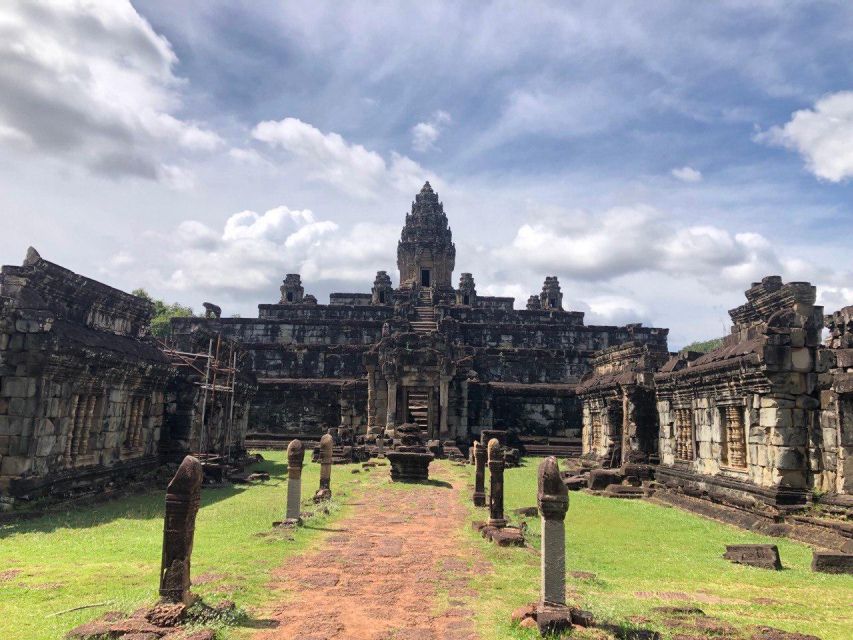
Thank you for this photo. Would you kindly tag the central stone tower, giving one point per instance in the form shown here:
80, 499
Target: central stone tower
426, 254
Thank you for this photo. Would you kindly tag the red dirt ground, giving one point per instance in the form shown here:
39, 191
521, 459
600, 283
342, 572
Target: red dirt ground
393, 570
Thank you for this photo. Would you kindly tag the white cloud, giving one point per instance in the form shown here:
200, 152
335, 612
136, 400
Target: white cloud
426, 134
687, 174
629, 240
254, 250
93, 83
328, 157
823, 136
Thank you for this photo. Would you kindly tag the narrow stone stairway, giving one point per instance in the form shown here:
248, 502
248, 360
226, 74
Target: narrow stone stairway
425, 321
419, 409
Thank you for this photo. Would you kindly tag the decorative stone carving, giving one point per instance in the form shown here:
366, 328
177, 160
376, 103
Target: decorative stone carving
182, 501
534, 303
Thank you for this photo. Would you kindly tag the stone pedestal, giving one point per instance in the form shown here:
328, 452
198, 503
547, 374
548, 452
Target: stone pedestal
182, 501
409, 466
325, 490
480, 455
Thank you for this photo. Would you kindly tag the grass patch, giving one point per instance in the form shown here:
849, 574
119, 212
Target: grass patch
644, 556
111, 552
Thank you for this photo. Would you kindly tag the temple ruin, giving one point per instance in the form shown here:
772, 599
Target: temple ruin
88, 397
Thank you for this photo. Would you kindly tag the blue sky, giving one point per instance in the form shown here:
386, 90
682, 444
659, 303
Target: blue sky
657, 157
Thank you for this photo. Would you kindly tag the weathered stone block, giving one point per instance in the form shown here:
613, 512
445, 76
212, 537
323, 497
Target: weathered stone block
17, 387
831, 562
14, 465
801, 360
764, 556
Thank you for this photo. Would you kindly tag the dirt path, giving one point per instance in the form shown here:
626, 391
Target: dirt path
395, 569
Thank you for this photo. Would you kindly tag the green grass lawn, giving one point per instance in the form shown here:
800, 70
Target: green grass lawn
111, 551
637, 549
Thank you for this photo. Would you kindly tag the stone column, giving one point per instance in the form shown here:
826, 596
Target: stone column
295, 461
479, 475
443, 401
371, 399
182, 499
553, 499
391, 416
496, 488
325, 490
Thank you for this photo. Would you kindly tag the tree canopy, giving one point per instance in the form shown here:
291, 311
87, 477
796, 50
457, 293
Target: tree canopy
163, 313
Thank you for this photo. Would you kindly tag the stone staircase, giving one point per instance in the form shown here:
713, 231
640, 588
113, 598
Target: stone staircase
419, 409
425, 321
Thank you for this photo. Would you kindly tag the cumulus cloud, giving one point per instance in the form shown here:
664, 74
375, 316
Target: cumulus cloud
823, 136
329, 158
687, 174
629, 240
426, 134
93, 83
252, 252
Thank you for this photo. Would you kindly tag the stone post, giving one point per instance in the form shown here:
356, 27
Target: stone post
371, 399
391, 416
553, 500
182, 499
295, 460
496, 493
479, 475
443, 402
325, 490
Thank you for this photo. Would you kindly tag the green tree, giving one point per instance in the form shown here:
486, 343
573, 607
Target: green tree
704, 346
163, 313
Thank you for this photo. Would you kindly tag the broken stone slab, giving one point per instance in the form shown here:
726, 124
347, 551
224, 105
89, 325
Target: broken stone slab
832, 562
624, 491
501, 536
575, 483
602, 478
763, 556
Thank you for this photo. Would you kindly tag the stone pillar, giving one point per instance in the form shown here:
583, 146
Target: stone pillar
371, 399
182, 499
443, 401
496, 488
391, 416
553, 500
295, 460
479, 475
325, 490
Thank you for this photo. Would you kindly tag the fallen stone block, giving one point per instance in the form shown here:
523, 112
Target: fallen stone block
832, 562
624, 491
602, 478
763, 556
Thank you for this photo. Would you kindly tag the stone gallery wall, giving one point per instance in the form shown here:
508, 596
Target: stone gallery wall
735, 422
81, 386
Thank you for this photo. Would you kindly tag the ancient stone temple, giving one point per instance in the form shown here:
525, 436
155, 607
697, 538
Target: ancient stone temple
735, 423
88, 398
81, 386
620, 420
448, 359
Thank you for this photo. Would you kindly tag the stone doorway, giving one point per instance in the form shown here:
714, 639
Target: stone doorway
425, 277
419, 408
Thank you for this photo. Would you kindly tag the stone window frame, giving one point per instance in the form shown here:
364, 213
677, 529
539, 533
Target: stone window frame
596, 431
724, 413
137, 407
85, 413
678, 426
